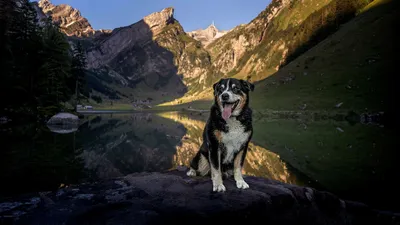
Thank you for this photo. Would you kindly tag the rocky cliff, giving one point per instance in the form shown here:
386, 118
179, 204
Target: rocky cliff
69, 19
229, 50
208, 35
174, 198
154, 53
153, 58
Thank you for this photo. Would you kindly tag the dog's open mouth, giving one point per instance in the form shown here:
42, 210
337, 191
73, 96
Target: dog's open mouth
228, 108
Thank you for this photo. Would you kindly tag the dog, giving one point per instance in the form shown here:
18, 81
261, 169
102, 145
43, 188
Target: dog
226, 135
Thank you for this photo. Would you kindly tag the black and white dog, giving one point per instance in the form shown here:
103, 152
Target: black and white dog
226, 134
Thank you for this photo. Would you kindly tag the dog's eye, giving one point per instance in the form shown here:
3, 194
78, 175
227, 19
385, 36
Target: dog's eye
235, 89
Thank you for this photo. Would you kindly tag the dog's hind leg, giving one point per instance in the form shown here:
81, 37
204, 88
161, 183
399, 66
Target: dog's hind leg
200, 164
194, 165
204, 166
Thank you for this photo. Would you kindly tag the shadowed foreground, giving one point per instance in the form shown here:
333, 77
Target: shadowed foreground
174, 198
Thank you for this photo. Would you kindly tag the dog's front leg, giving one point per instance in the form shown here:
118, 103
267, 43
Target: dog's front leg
237, 169
216, 175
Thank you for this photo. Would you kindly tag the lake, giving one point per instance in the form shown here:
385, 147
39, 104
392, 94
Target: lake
354, 161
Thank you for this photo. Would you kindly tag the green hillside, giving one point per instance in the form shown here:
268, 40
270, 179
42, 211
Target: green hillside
353, 67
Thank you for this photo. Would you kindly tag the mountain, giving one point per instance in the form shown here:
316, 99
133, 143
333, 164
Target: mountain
151, 58
155, 59
278, 35
69, 19
208, 35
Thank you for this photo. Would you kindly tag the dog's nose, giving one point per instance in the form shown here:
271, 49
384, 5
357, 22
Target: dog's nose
225, 96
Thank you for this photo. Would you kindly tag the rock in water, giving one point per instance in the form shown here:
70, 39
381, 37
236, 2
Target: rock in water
174, 198
63, 118
63, 129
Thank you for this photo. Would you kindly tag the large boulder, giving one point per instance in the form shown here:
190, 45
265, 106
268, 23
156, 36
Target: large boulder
174, 198
63, 118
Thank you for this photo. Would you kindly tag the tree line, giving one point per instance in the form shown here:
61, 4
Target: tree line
40, 71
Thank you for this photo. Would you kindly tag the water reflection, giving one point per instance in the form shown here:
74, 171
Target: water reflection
259, 161
62, 129
116, 145
40, 158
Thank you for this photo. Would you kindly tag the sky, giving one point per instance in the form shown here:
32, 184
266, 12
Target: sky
192, 14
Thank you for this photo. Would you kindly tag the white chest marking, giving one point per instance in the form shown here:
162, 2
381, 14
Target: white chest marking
233, 139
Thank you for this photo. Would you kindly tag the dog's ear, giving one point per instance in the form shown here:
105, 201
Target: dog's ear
216, 85
249, 86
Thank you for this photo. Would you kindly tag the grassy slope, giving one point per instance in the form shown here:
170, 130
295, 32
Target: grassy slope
352, 66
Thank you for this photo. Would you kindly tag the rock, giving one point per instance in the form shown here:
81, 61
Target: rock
174, 198
63, 119
70, 20
158, 20
63, 129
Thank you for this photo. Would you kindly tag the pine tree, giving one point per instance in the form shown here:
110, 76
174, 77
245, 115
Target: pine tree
55, 70
78, 70
7, 9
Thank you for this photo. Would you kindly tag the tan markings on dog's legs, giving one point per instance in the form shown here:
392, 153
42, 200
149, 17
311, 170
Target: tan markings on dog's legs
216, 175
237, 172
204, 166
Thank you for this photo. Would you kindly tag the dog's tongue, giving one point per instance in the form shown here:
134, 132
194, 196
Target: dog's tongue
226, 113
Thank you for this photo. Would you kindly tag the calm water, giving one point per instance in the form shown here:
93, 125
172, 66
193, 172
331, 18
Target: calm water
350, 161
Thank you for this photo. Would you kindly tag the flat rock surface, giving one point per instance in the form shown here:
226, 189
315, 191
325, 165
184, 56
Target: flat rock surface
174, 198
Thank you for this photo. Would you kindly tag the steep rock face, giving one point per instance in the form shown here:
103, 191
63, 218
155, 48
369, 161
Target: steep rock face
208, 35
153, 58
229, 49
154, 51
279, 34
69, 19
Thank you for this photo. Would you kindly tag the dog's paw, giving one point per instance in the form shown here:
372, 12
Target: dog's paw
242, 184
191, 173
219, 188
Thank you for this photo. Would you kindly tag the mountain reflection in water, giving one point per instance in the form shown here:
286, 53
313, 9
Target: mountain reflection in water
259, 161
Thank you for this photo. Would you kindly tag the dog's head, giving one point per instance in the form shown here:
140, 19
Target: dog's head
232, 96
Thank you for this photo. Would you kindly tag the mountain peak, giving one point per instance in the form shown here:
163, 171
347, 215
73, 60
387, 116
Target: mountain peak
46, 5
69, 19
212, 25
207, 35
158, 20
